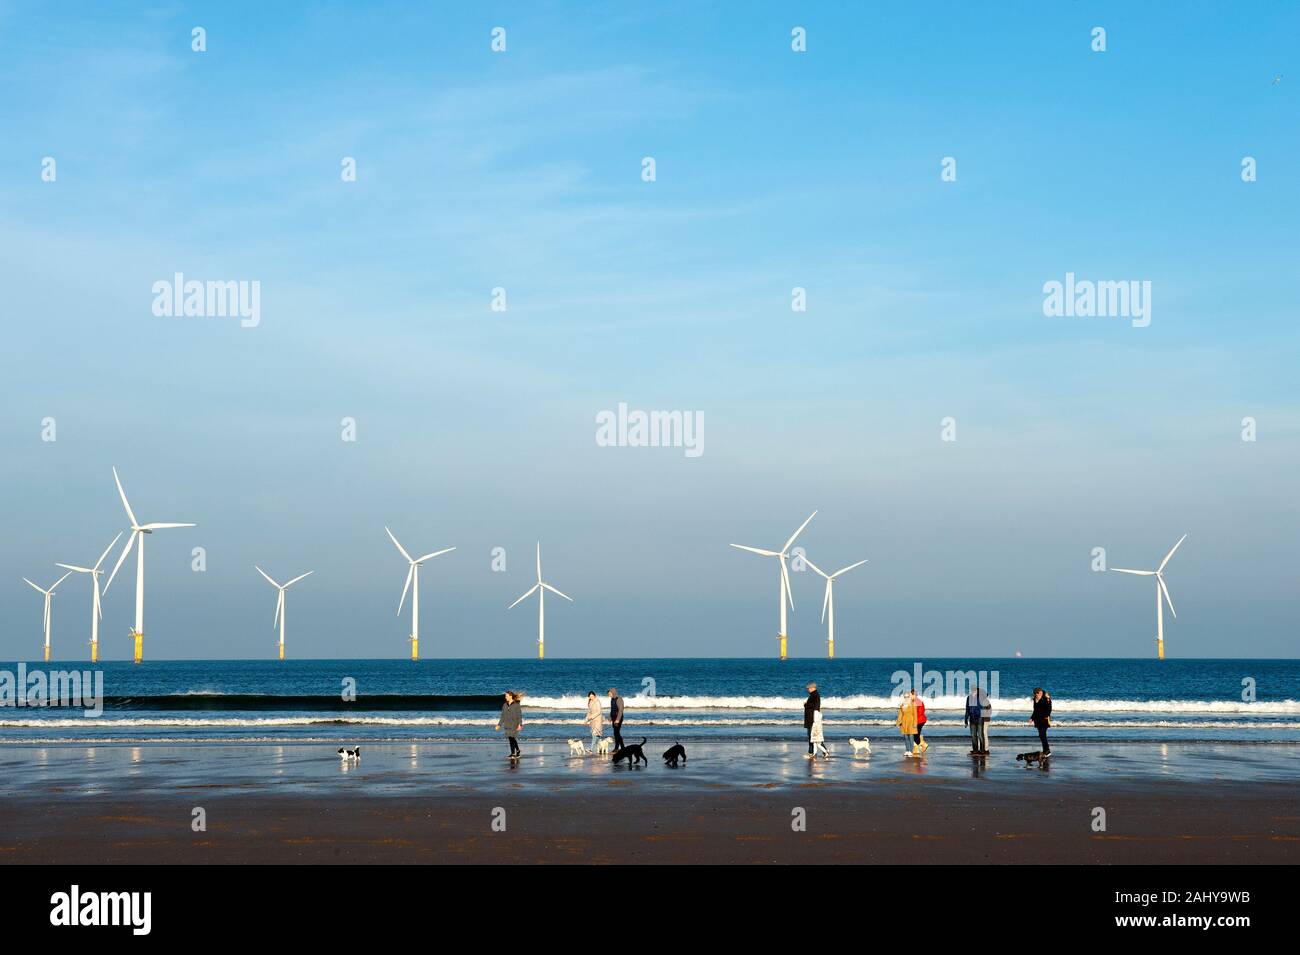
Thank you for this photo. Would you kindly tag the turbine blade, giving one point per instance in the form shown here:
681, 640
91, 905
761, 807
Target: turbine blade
410, 572
163, 526
539, 562
129, 513
266, 575
99, 607
557, 593
60, 580
845, 570
827, 599
107, 549
395, 541
1140, 573
798, 532
1164, 589
528, 594
279, 605
785, 575
756, 550
814, 566
118, 566
436, 553
80, 570
1171, 553
30, 584
296, 579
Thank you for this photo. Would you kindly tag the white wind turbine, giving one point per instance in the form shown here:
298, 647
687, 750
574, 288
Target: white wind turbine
49, 595
828, 602
413, 577
96, 609
540, 588
279, 603
786, 595
1161, 588
138, 531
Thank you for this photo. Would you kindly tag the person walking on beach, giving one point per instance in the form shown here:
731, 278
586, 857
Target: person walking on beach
1042, 717
595, 719
817, 737
811, 706
978, 713
616, 710
906, 723
919, 704
512, 721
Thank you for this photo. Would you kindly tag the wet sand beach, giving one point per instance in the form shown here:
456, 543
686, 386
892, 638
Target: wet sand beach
734, 801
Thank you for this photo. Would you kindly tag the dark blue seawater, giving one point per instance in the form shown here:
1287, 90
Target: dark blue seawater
256, 700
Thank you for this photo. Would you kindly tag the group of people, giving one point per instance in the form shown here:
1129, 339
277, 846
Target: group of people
911, 721
512, 718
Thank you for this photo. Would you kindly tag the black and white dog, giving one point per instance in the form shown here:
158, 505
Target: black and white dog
674, 753
632, 752
349, 755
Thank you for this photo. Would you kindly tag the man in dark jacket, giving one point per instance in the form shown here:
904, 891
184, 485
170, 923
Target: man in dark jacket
616, 716
1042, 718
811, 706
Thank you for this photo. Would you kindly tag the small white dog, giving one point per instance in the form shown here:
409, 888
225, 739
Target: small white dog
860, 746
577, 749
348, 755
605, 746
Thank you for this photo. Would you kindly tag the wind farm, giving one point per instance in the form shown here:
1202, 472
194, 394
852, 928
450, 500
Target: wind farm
413, 584
279, 600
138, 533
540, 589
783, 582
1161, 590
828, 602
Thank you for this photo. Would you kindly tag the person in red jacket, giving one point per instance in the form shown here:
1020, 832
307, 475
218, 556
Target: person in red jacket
921, 744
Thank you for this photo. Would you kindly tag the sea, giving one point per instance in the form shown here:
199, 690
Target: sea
439, 700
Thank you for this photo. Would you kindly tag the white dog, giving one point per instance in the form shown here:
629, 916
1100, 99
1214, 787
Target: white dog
605, 746
861, 747
577, 749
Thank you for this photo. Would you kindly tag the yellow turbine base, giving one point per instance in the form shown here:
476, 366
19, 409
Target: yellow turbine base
415, 648
830, 649
281, 651
94, 653
784, 643
47, 654
139, 647
541, 651
1160, 649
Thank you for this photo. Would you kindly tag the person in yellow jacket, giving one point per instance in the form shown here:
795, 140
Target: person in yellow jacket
906, 723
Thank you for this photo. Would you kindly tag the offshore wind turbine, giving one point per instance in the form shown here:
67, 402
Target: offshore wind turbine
540, 589
786, 595
49, 595
96, 609
828, 602
1161, 588
279, 603
413, 577
138, 532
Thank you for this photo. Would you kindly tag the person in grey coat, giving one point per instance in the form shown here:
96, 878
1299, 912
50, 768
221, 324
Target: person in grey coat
512, 721
979, 710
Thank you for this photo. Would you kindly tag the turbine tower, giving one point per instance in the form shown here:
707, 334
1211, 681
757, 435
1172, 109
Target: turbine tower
49, 595
138, 531
413, 577
786, 595
279, 603
540, 588
96, 609
1161, 588
828, 602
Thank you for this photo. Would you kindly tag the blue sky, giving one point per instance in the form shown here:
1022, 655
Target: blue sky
774, 170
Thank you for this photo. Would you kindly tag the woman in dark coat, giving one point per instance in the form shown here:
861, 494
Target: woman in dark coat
1042, 717
512, 721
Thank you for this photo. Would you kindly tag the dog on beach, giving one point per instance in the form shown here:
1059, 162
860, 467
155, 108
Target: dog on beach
631, 752
1031, 758
674, 753
860, 746
577, 749
605, 746
349, 755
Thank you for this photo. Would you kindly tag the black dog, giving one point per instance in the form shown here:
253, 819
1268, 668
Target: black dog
675, 752
1031, 758
632, 752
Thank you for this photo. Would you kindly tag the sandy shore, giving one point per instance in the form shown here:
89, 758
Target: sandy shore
734, 802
